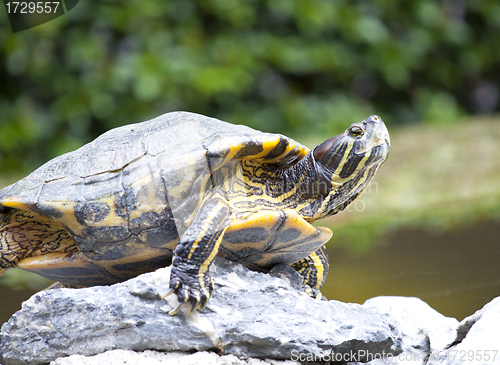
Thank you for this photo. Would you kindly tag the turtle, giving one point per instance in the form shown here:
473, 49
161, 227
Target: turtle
178, 190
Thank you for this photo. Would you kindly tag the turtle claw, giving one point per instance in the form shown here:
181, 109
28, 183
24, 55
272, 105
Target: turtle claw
169, 292
193, 309
202, 306
194, 300
176, 310
189, 290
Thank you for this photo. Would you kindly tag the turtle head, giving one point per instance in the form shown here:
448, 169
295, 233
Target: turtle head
350, 160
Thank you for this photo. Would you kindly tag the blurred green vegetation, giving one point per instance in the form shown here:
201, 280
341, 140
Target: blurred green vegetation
298, 67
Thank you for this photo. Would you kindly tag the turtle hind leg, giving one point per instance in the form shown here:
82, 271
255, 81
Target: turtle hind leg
24, 234
308, 274
313, 269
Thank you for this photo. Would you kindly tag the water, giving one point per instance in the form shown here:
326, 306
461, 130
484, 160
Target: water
456, 273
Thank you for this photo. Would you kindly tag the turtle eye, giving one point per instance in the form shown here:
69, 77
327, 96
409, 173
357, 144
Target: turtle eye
355, 131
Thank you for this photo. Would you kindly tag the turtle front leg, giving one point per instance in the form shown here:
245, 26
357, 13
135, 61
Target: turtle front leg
189, 278
313, 269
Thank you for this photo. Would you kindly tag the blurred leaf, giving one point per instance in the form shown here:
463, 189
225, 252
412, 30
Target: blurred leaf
20, 279
439, 107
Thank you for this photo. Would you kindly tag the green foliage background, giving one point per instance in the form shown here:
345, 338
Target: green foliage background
297, 67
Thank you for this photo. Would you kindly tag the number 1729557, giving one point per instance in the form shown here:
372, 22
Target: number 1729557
47, 7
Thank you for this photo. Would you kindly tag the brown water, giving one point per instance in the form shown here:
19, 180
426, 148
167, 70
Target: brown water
456, 273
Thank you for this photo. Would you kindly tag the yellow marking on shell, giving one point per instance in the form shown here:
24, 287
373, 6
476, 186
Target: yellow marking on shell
271, 221
111, 219
295, 221
146, 200
54, 260
144, 237
15, 202
57, 266
264, 219
234, 148
68, 218
267, 146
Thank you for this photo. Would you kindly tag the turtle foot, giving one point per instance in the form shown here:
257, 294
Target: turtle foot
190, 288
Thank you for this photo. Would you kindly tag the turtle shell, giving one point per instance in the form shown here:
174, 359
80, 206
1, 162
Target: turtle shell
117, 196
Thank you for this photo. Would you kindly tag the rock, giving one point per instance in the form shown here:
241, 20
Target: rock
477, 340
120, 357
432, 339
424, 330
251, 314
251, 318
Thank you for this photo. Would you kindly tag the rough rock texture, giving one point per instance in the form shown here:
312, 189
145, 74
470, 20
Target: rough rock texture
424, 330
432, 339
119, 357
477, 340
250, 315
250, 319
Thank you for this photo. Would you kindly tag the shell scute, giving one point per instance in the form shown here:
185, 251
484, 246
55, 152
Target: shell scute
163, 236
112, 151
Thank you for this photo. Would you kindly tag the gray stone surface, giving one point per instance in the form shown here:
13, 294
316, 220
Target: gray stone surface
424, 330
148, 357
252, 318
432, 339
477, 340
250, 315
